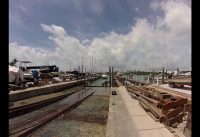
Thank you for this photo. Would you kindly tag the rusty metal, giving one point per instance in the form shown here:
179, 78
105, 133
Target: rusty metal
24, 129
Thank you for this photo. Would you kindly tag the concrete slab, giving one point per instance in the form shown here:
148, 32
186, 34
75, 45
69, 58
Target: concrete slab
42, 90
162, 132
146, 122
136, 110
127, 118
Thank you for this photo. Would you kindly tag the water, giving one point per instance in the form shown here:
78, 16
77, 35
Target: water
142, 78
99, 82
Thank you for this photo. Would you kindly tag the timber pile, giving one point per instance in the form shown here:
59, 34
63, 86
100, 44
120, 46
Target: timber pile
164, 107
188, 128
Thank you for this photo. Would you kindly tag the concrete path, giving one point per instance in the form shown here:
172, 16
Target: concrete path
128, 119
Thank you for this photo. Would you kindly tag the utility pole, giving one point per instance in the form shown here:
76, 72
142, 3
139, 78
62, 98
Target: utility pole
78, 74
101, 68
163, 71
92, 65
95, 65
178, 71
70, 65
85, 79
82, 67
153, 75
112, 77
110, 74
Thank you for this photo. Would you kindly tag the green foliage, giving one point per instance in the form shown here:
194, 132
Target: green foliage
141, 73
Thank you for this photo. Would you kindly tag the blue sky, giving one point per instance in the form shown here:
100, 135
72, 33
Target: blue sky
81, 19
35, 25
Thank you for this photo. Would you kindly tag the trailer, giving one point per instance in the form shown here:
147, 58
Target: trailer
180, 82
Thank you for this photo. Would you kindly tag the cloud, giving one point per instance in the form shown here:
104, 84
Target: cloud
37, 56
23, 8
164, 43
14, 18
56, 30
177, 17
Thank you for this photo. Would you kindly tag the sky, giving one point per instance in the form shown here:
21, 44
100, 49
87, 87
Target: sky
126, 34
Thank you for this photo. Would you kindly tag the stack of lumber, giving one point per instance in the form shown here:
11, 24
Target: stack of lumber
187, 129
163, 107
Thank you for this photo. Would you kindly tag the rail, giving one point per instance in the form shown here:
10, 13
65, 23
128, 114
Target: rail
24, 128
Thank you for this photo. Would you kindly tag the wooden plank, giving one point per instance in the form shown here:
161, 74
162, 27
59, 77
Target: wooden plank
149, 99
164, 95
189, 117
153, 109
174, 104
174, 112
187, 132
188, 107
153, 117
189, 125
178, 118
144, 105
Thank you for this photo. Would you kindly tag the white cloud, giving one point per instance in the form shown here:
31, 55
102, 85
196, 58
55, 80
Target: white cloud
165, 43
14, 18
177, 17
56, 30
23, 8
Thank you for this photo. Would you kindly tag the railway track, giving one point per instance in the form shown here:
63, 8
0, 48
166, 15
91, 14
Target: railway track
26, 127
17, 111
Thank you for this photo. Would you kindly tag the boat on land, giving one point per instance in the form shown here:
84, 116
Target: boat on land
104, 76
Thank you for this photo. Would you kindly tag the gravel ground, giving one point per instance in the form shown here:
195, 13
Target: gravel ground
89, 119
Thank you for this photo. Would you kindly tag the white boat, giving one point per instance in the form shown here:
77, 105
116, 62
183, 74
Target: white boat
15, 74
104, 76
